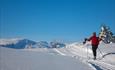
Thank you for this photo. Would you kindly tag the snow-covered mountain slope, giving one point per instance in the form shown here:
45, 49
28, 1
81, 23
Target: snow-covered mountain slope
15, 59
105, 54
73, 56
9, 41
19, 43
16, 43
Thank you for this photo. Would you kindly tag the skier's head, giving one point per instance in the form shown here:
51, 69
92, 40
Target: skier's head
94, 33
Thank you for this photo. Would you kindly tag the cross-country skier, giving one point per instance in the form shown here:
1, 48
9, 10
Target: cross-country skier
94, 42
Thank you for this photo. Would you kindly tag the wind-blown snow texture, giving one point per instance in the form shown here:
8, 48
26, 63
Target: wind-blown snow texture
75, 56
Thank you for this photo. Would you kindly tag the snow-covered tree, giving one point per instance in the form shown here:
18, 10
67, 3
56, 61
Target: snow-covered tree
106, 34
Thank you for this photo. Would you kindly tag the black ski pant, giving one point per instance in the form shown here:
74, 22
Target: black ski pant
94, 48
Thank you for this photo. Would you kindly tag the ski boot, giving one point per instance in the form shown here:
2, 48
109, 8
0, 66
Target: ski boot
94, 58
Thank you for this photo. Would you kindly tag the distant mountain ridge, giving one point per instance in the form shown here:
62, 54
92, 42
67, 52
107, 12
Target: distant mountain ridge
18, 43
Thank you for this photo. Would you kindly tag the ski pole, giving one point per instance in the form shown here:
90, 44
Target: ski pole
88, 57
87, 52
87, 46
100, 52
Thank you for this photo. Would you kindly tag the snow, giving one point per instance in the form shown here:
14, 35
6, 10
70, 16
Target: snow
12, 59
74, 56
16, 43
84, 54
9, 41
20, 43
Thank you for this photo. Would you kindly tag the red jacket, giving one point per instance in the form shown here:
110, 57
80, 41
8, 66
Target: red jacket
94, 40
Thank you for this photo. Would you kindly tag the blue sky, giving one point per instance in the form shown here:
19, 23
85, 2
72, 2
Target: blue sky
48, 20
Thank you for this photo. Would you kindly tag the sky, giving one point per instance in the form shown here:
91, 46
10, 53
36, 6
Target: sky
48, 20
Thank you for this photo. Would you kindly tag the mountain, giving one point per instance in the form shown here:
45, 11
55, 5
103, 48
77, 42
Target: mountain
41, 44
56, 44
16, 43
71, 57
74, 56
45, 44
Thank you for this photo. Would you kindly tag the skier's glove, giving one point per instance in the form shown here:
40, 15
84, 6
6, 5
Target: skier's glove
85, 40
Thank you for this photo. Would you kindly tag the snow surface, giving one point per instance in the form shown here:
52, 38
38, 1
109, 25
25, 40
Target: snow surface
11, 59
75, 56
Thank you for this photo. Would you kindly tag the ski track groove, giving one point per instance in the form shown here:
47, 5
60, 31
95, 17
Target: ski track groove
96, 65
